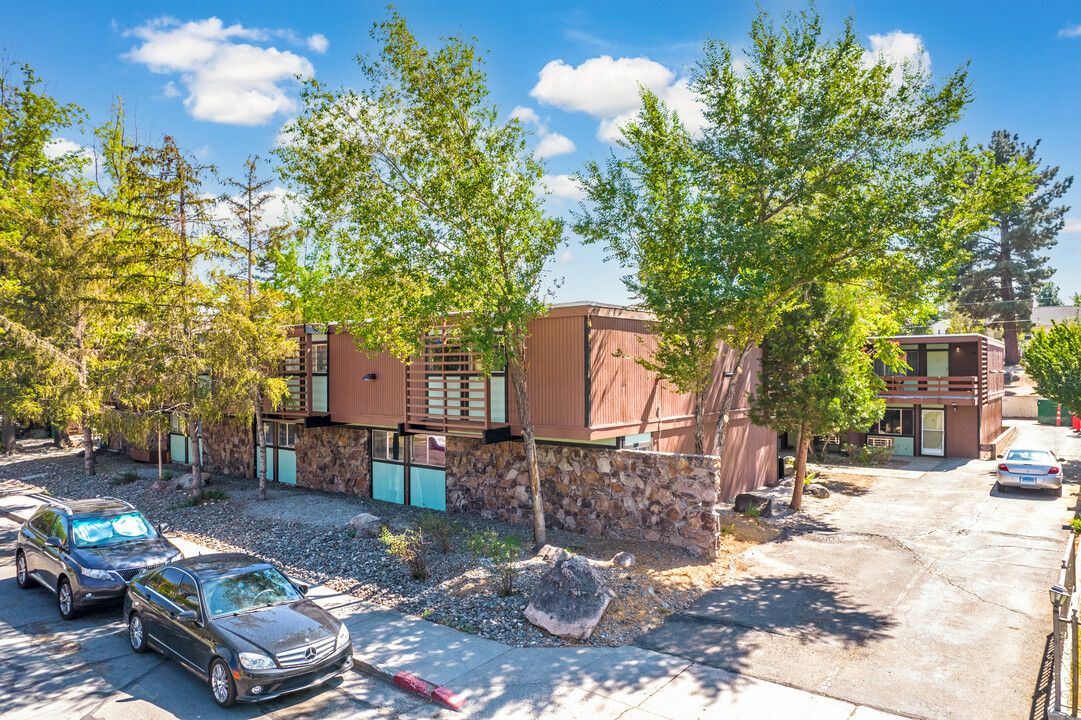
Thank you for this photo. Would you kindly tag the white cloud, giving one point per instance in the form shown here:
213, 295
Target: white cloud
563, 187
1070, 31
1073, 225
170, 90
318, 43
551, 143
610, 89
227, 81
898, 48
566, 257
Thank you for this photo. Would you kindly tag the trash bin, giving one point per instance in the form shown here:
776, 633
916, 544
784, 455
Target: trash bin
1047, 412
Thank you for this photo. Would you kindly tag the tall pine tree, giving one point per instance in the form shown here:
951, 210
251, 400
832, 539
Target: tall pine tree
1006, 268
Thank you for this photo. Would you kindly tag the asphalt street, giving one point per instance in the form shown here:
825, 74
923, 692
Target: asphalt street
925, 597
54, 669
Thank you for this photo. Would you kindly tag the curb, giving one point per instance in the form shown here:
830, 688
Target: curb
12, 517
412, 683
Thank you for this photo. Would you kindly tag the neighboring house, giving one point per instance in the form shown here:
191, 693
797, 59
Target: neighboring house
436, 433
1045, 316
949, 404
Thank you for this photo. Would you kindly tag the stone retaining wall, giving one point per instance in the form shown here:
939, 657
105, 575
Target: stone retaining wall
228, 449
598, 491
333, 458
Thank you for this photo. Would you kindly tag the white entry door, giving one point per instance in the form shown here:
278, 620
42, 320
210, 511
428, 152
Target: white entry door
933, 432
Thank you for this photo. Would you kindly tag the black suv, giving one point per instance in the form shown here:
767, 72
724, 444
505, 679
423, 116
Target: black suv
86, 551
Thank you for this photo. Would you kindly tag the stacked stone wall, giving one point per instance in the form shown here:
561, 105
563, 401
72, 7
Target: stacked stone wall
627, 494
334, 459
228, 449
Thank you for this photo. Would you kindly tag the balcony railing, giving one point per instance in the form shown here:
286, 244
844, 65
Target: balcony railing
295, 371
918, 388
445, 392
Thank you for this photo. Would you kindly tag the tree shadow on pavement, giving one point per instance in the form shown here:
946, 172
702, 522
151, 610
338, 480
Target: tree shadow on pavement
728, 624
1042, 690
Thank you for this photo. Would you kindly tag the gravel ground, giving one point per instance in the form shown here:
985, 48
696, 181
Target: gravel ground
303, 531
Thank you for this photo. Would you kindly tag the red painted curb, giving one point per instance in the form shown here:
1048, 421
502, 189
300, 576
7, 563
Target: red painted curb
411, 682
448, 697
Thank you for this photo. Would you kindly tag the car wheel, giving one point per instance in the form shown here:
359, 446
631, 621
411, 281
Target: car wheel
1058, 491
22, 576
137, 633
222, 686
65, 600
1001, 488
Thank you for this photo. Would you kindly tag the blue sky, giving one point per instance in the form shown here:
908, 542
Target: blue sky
216, 76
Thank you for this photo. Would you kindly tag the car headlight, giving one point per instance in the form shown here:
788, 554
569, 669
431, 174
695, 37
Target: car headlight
97, 574
255, 661
343, 637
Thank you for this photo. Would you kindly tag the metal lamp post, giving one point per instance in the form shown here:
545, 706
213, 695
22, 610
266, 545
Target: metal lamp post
1060, 597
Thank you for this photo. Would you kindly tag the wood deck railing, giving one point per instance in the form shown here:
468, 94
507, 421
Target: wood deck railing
445, 391
920, 388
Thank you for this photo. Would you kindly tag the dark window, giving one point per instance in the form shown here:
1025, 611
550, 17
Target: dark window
896, 421
42, 522
153, 581
58, 529
286, 435
320, 358
168, 582
187, 597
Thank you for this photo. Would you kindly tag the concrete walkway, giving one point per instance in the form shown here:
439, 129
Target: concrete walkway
505, 682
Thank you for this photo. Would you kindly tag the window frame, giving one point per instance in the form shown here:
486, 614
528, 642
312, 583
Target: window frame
876, 429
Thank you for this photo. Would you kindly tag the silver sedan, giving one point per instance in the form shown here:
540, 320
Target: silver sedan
1030, 468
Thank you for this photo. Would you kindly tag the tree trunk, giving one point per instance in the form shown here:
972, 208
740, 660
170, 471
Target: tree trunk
196, 459
260, 457
159, 454
89, 462
1009, 327
7, 435
726, 403
1013, 346
521, 395
60, 436
803, 441
700, 423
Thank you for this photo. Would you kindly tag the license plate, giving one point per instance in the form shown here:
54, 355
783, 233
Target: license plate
1030, 480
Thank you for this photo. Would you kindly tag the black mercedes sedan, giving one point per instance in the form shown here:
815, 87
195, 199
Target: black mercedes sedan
238, 623
86, 551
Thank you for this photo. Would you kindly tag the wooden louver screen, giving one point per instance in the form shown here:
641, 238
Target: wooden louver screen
295, 371
445, 390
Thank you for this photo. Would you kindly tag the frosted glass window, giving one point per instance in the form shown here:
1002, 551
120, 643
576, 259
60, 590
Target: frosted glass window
287, 466
498, 399
428, 488
319, 393
388, 482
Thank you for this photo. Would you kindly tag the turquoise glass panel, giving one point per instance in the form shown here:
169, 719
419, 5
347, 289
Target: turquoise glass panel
287, 466
177, 448
388, 482
428, 488
319, 393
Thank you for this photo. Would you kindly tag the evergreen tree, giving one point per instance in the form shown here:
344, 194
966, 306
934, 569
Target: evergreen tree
1005, 266
1048, 295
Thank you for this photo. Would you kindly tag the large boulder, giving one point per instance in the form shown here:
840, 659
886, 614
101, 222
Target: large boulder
816, 491
553, 554
751, 501
623, 560
365, 525
570, 599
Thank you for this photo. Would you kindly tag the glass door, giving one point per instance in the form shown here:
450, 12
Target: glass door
933, 432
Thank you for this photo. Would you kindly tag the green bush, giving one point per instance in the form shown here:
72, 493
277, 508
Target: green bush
502, 551
440, 530
168, 475
867, 455
125, 478
752, 512
409, 547
1076, 525
214, 495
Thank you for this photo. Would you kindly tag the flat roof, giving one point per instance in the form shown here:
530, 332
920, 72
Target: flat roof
949, 337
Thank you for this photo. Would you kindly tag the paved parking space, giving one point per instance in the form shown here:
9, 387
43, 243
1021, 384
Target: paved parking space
925, 596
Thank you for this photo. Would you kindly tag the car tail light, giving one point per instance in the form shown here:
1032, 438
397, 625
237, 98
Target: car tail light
1003, 467
1053, 471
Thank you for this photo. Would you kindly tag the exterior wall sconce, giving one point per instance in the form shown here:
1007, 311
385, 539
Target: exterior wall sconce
369, 376
955, 407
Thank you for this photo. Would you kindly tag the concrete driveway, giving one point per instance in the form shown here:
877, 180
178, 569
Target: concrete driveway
925, 597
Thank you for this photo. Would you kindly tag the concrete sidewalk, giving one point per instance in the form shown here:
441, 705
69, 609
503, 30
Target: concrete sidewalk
506, 682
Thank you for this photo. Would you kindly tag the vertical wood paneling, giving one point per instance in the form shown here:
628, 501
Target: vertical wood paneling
964, 359
991, 421
354, 400
962, 435
556, 377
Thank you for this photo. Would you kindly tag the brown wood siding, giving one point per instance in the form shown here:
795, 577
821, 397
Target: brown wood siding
750, 453
351, 399
556, 377
962, 436
991, 421
964, 359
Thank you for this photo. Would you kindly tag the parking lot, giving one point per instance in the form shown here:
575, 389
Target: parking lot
925, 597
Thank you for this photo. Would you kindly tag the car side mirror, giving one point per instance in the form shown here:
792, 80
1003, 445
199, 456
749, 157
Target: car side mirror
301, 588
162, 527
54, 542
187, 616
999, 457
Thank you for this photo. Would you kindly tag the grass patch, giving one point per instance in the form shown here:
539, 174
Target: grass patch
125, 478
196, 502
752, 512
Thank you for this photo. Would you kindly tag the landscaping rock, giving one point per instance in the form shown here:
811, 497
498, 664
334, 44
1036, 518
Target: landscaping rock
164, 486
365, 525
761, 503
570, 599
623, 560
816, 491
553, 554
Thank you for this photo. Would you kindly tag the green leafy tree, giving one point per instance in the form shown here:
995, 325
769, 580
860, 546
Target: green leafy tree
1075, 299
1048, 295
249, 325
817, 375
1053, 361
815, 166
421, 206
1005, 265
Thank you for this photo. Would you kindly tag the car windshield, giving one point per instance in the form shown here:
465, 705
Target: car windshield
249, 590
1036, 456
111, 530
